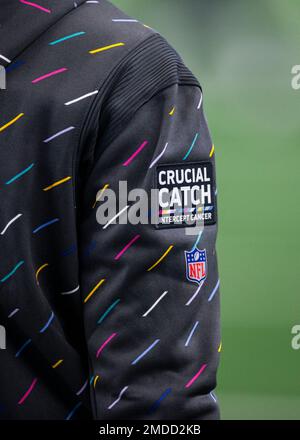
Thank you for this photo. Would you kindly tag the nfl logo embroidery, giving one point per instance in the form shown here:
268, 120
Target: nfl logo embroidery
196, 265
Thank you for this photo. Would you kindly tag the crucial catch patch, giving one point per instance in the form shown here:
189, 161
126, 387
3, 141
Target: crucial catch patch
186, 195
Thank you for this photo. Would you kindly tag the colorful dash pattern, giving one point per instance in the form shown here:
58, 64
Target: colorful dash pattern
63, 274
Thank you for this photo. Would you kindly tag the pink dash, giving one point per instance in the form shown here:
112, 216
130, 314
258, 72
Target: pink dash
141, 147
36, 6
196, 376
127, 247
105, 343
21, 401
55, 72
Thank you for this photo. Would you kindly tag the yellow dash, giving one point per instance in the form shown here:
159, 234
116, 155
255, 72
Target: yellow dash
39, 270
98, 197
101, 49
59, 182
57, 363
94, 290
96, 380
220, 348
172, 111
212, 151
200, 209
161, 258
146, 26
11, 122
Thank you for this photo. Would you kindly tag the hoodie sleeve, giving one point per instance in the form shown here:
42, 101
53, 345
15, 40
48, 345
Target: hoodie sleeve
150, 292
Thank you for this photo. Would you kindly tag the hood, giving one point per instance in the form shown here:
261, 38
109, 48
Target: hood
22, 22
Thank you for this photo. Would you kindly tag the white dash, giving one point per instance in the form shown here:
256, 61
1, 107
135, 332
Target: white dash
5, 59
214, 291
119, 398
191, 334
87, 95
9, 223
13, 313
70, 292
155, 304
195, 294
213, 397
159, 156
115, 217
200, 102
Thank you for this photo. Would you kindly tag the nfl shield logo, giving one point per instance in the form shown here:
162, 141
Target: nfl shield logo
196, 265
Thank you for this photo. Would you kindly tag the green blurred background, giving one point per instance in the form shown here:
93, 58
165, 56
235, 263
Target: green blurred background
242, 51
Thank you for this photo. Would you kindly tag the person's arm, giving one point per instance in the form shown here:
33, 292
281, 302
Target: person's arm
150, 294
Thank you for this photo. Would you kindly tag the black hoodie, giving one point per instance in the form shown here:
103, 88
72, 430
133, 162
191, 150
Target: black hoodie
106, 317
